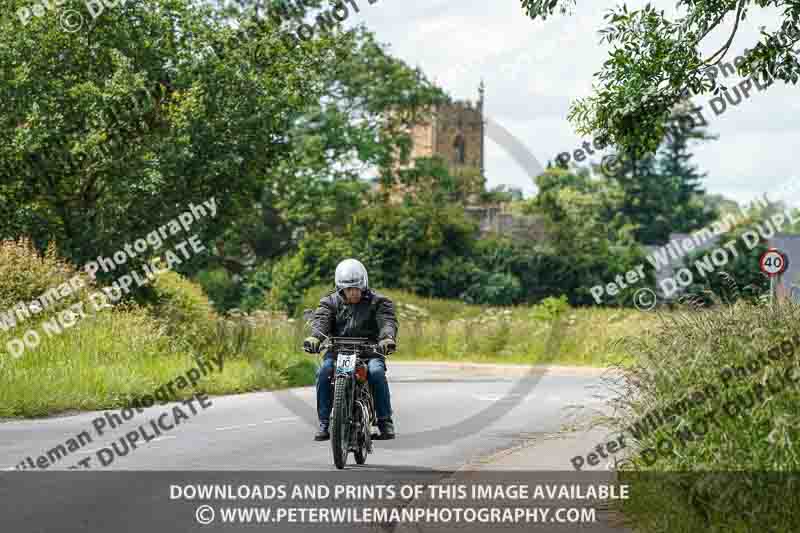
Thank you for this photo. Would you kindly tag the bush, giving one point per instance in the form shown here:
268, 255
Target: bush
422, 248
25, 274
550, 308
220, 287
404, 246
183, 306
495, 289
739, 278
451, 277
314, 263
256, 287
434, 251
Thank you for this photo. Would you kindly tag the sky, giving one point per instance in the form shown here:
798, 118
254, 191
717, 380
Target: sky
534, 71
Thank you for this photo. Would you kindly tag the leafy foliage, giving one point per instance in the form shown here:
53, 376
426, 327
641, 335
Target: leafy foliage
26, 274
220, 287
314, 261
740, 277
591, 239
183, 307
661, 193
656, 60
125, 129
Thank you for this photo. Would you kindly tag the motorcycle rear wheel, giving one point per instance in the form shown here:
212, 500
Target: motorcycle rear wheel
361, 452
340, 428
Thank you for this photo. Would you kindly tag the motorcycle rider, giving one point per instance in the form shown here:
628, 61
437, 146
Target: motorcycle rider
353, 310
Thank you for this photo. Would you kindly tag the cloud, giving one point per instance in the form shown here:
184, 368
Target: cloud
534, 71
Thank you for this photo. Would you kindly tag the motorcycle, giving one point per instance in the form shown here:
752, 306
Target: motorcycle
353, 413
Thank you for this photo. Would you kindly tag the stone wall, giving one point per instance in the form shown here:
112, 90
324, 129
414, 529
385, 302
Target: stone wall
494, 221
459, 123
422, 140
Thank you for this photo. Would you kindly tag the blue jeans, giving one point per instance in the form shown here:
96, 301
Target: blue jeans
376, 376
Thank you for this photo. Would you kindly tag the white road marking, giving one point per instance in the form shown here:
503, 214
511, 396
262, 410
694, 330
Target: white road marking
9, 468
493, 397
89, 451
274, 420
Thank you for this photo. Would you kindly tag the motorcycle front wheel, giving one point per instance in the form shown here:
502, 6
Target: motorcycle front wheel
340, 427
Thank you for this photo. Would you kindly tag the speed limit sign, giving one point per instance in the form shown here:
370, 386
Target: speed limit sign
773, 262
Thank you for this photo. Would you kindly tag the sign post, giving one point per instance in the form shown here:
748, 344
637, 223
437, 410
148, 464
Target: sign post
773, 263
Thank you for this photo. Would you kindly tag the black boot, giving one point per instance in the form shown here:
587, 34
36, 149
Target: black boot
386, 428
323, 433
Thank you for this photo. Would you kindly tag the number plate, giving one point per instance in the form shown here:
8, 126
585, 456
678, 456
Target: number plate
346, 362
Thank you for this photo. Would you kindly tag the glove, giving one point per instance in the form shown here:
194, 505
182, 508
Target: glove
387, 346
311, 345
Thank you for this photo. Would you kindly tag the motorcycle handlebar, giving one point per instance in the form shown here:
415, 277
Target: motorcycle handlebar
352, 342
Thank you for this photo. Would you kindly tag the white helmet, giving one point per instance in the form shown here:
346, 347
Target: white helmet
351, 273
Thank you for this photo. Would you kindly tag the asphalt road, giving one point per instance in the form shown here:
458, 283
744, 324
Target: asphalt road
454, 424
257, 431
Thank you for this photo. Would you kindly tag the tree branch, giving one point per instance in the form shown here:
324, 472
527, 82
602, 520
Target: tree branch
727, 45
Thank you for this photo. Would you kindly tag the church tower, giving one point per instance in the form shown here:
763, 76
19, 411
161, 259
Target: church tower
455, 133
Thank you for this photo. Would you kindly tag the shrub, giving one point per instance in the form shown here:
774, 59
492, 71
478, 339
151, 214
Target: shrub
220, 287
25, 275
495, 289
183, 306
314, 263
255, 287
403, 246
289, 279
739, 278
550, 308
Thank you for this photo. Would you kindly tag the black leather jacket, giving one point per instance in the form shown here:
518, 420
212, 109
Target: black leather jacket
373, 317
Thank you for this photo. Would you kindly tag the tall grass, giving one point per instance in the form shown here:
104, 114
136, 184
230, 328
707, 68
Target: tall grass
118, 354
518, 335
109, 359
729, 453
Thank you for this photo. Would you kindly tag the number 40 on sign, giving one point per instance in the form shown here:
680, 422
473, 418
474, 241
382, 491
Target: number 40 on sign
773, 262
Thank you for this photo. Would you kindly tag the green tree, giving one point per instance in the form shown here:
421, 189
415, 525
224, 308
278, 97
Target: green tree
126, 129
655, 60
147, 108
408, 246
424, 248
675, 159
662, 192
721, 204
366, 101
590, 238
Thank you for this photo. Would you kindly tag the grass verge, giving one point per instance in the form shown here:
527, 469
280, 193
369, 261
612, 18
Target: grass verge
110, 358
117, 354
723, 453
